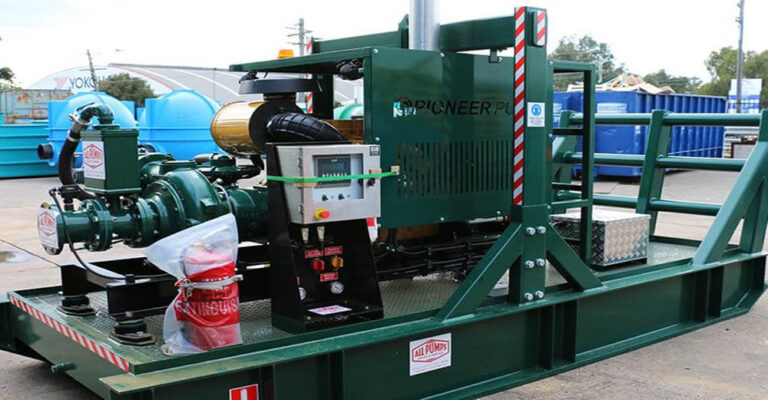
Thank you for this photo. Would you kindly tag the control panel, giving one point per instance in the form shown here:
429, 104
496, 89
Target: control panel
351, 196
322, 271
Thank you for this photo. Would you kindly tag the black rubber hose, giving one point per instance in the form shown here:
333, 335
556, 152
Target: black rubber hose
295, 127
66, 156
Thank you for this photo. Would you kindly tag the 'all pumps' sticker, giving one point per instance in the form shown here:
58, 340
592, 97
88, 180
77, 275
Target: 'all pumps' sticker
47, 227
430, 354
93, 160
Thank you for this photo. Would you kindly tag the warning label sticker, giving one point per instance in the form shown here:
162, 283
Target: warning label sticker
46, 227
536, 115
93, 160
334, 309
329, 276
612, 108
430, 354
250, 392
312, 253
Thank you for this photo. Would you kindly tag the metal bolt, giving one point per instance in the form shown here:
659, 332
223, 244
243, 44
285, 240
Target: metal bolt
530, 231
377, 139
375, 51
541, 229
540, 262
528, 297
498, 212
529, 264
442, 54
442, 219
539, 294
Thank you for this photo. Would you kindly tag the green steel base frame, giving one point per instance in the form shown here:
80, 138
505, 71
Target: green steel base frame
475, 344
498, 347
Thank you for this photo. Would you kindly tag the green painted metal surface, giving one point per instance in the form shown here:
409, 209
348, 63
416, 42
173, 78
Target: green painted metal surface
113, 150
428, 111
499, 346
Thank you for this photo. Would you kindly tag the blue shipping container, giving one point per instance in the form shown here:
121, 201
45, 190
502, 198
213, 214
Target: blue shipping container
26, 106
687, 141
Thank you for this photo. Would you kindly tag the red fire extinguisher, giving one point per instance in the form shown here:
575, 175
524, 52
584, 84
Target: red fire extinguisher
208, 305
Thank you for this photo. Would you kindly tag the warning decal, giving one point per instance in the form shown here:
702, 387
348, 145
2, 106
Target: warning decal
46, 227
430, 354
536, 115
250, 392
334, 309
93, 160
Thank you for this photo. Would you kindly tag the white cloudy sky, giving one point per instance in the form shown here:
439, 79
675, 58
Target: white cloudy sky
43, 36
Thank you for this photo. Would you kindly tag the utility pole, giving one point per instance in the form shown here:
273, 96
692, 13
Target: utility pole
93, 71
740, 57
301, 34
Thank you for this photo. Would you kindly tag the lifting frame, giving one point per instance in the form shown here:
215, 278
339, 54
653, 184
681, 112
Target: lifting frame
497, 342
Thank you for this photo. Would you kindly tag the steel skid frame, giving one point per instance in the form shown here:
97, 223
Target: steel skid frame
496, 343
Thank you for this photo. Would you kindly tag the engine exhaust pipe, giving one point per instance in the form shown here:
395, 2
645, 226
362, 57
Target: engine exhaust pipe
424, 25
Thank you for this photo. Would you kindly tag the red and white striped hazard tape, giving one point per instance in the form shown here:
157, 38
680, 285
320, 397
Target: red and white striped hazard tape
541, 28
373, 229
519, 117
78, 338
310, 108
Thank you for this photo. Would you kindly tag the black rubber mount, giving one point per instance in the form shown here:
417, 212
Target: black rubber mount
132, 332
78, 305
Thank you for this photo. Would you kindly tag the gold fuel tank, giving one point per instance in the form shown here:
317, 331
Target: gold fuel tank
240, 127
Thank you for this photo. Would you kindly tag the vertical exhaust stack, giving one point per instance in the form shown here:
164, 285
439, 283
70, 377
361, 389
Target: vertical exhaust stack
424, 25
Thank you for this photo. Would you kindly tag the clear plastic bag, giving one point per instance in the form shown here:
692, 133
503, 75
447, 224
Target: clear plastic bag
205, 314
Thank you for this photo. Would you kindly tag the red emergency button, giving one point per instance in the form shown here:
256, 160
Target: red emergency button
318, 265
322, 213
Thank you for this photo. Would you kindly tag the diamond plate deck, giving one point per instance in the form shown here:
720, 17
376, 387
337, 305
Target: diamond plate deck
401, 297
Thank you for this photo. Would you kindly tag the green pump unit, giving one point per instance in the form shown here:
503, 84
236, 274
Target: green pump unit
140, 198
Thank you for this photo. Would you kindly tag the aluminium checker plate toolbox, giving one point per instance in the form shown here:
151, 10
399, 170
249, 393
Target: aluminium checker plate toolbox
617, 237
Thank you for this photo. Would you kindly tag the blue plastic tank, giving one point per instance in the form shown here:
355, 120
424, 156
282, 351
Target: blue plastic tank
179, 123
59, 123
18, 145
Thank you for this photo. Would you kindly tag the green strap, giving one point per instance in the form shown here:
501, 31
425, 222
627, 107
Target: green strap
301, 179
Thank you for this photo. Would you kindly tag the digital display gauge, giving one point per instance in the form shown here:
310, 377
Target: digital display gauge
328, 166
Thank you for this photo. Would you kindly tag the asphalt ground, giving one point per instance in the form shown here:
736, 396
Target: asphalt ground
724, 361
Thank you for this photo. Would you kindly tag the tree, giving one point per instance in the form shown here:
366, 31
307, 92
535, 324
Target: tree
585, 49
125, 87
6, 78
721, 65
680, 84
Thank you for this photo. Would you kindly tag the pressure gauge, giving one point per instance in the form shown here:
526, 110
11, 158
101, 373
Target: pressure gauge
336, 287
302, 293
